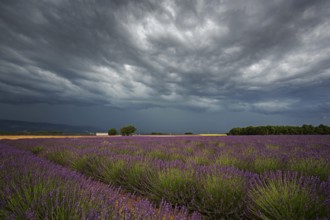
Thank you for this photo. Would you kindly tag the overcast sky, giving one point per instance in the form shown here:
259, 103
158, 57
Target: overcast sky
166, 66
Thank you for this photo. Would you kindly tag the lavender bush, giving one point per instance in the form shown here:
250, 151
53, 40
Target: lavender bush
286, 195
221, 194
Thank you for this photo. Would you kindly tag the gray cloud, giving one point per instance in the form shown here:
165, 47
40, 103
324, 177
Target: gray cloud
271, 57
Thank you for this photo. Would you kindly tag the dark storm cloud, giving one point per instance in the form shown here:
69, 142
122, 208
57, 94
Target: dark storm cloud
255, 55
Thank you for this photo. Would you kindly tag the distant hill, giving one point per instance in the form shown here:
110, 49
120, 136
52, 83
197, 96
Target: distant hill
15, 126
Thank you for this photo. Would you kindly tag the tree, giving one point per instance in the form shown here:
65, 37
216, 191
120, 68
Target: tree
308, 129
112, 131
235, 131
128, 130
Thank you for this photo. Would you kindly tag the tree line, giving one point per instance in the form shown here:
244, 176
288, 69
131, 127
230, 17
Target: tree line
278, 130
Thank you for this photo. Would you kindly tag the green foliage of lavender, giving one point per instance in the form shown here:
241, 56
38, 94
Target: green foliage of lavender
37, 149
62, 157
175, 186
139, 177
285, 195
311, 167
264, 164
220, 177
221, 196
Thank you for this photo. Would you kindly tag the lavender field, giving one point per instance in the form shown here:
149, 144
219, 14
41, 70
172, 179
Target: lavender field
234, 177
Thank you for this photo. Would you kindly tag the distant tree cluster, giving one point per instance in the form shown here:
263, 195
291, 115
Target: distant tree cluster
278, 130
112, 131
128, 130
124, 131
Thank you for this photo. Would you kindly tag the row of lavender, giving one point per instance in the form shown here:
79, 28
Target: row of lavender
34, 188
304, 154
281, 177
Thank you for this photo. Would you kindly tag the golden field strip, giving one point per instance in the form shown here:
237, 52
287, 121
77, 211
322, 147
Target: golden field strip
15, 137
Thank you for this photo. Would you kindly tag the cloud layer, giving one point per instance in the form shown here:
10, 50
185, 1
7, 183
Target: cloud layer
271, 57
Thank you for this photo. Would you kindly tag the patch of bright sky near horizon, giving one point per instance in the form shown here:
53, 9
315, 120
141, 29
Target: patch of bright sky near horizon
194, 65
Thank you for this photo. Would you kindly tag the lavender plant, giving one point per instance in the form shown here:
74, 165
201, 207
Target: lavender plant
62, 157
111, 171
262, 164
227, 160
278, 195
138, 177
311, 167
176, 186
221, 197
37, 149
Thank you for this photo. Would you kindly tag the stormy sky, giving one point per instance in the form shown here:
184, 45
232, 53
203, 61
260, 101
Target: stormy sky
166, 66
